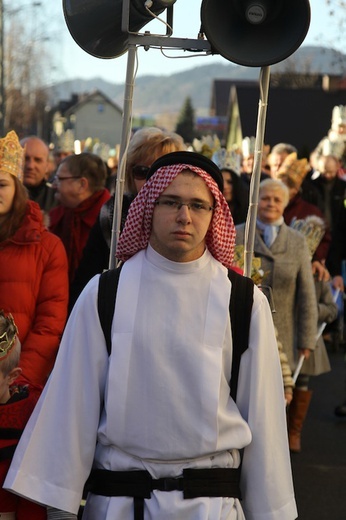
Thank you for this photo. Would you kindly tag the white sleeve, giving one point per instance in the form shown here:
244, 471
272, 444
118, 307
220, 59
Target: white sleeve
266, 479
56, 451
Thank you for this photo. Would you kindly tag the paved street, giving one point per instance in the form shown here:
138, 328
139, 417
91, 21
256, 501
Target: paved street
319, 471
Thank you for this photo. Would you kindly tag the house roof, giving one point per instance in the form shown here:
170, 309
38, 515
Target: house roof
89, 98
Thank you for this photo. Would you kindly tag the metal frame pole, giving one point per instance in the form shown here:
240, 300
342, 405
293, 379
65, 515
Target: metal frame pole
250, 226
125, 136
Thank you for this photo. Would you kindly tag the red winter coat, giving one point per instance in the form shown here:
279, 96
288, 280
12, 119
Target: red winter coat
34, 289
73, 226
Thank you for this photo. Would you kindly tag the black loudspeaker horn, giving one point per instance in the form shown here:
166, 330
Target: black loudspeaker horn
95, 25
255, 33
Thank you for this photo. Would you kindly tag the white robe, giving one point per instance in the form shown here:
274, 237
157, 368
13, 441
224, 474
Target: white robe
167, 403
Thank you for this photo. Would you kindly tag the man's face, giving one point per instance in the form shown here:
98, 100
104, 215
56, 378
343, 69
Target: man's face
36, 162
179, 234
342, 129
328, 168
271, 205
68, 187
275, 161
248, 164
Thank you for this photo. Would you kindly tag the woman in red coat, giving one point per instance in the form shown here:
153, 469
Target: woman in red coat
33, 269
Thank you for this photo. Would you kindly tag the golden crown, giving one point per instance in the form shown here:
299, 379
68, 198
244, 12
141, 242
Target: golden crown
295, 169
313, 228
11, 155
8, 336
257, 273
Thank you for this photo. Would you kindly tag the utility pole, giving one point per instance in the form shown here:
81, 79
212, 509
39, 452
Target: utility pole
2, 75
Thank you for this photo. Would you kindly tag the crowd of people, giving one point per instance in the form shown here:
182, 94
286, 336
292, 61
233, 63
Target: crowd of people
150, 428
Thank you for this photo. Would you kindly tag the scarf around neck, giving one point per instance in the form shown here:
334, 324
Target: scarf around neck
270, 231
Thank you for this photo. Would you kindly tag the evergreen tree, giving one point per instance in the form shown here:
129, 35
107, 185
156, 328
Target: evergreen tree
186, 122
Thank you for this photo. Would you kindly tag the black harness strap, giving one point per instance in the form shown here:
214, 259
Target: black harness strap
194, 482
107, 293
210, 482
240, 307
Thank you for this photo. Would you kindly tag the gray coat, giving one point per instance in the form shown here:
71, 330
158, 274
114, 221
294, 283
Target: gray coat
318, 362
289, 274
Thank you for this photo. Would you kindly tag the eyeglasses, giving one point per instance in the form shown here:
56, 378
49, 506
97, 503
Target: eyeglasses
60, 179
174, 205
140, 172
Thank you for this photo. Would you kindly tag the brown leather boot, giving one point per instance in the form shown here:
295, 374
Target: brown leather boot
296, 415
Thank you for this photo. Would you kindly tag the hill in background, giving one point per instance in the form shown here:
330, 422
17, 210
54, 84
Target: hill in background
155, 94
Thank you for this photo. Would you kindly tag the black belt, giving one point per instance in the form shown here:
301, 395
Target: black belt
213, 482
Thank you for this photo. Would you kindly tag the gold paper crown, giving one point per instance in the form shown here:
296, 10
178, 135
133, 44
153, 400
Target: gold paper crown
8, 336
294, 169
11, 155
257, 273
313, 228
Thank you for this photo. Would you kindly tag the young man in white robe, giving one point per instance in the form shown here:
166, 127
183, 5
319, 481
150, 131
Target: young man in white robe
160, 404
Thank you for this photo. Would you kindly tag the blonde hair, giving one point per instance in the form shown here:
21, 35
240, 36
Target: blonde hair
147, 145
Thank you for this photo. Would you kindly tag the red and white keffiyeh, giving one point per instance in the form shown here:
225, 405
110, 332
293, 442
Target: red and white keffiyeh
220, 239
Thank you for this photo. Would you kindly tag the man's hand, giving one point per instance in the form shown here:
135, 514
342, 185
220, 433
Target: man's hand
304, 352
288, 397
320, 271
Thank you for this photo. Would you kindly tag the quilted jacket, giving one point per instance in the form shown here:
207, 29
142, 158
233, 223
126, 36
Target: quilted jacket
34, 289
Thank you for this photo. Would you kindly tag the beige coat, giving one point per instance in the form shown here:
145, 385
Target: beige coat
288, 272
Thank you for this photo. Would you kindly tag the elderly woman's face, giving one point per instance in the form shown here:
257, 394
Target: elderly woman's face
271, 205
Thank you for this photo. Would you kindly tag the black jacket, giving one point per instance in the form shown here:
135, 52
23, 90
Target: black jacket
96, 253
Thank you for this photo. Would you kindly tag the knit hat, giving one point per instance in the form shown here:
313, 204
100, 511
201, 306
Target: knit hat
11, 155
293, 170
